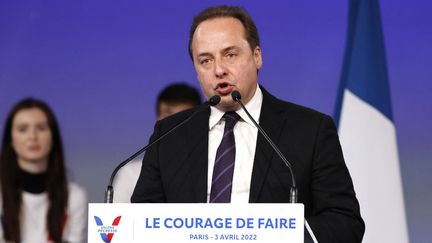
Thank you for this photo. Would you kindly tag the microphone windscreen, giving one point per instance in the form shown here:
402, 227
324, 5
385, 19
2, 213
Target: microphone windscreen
236, 95
214, 100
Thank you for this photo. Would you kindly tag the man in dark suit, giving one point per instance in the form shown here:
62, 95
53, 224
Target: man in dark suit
185, 167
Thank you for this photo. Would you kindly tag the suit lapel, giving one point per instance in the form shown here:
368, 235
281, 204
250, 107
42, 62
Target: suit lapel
197, 158
272, 123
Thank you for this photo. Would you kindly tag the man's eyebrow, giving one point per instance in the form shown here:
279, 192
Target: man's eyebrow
204, 54
229, 48
226, 49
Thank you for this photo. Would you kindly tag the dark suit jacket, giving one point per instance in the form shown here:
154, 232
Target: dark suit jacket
175, 169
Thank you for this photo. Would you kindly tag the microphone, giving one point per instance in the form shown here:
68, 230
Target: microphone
109, 192
293, 191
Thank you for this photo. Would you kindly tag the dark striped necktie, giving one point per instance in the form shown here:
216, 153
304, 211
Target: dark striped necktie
223, 169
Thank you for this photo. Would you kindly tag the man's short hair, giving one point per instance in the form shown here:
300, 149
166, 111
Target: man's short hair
179, 93
236, 12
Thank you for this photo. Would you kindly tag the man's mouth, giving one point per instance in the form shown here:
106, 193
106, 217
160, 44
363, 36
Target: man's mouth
224, 88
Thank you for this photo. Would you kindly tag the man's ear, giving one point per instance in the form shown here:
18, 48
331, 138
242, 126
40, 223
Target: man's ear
257, 57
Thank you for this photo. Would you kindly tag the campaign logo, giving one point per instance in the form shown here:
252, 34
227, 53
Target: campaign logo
107, 232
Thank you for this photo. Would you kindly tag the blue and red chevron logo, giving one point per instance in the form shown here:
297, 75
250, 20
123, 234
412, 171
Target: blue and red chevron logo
107, 232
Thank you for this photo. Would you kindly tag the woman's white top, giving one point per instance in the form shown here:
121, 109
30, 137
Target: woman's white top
34, 209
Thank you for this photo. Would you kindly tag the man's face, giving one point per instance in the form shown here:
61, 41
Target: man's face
224, 61
166, 109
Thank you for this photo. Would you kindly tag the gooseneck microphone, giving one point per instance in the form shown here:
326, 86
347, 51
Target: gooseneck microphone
109, 192
293, 191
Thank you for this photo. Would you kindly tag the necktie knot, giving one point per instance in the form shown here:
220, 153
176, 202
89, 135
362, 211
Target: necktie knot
231, 118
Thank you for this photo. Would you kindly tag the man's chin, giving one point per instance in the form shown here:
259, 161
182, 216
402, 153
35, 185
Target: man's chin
228, 105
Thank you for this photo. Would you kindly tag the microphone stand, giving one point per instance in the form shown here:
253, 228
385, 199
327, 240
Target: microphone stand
109, 192
293, 191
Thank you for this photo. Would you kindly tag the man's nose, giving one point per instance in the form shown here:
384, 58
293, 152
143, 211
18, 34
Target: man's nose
220, 69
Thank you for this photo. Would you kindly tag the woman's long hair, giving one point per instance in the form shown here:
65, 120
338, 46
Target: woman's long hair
56, 177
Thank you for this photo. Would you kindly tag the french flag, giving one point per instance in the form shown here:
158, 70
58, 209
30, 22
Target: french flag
366, 130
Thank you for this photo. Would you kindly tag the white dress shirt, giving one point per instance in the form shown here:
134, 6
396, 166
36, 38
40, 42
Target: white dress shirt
245, 134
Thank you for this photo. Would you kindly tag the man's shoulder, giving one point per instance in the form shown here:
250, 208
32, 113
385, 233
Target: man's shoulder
286, 108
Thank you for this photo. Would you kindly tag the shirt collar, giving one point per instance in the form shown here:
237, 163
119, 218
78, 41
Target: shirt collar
253, 106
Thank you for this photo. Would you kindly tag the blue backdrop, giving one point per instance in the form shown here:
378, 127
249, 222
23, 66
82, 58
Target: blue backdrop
100, 65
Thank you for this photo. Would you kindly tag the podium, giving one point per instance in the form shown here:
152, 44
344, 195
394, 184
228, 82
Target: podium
195, 222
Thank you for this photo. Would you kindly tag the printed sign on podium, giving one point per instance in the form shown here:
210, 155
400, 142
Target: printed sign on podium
195, 222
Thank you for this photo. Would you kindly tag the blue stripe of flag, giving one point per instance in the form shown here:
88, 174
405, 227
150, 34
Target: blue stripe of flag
364, 70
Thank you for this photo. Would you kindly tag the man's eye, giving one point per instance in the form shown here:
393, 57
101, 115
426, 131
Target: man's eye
231, 55
205, 61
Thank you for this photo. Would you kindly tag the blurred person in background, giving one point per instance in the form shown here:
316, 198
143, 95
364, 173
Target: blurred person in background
173, 98
176, 97
37, 201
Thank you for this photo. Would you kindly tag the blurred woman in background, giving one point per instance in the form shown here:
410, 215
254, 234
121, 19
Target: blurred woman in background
37, 202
